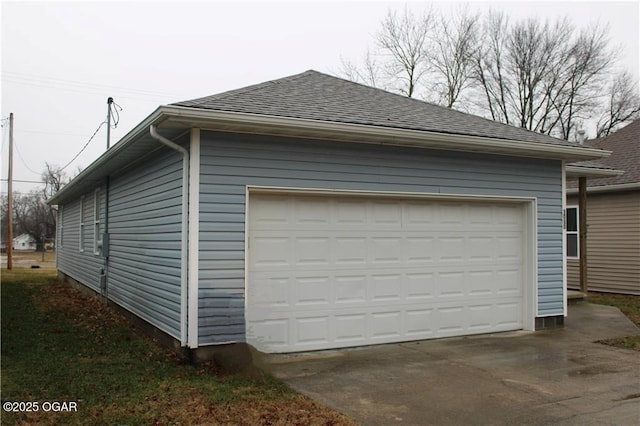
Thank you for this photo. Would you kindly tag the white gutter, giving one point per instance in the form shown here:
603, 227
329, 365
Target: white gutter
275, 125
607, 188
184, 242
591, 172
227, 121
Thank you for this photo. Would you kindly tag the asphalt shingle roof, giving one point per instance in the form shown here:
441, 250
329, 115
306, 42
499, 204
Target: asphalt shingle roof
625, 155
316, 96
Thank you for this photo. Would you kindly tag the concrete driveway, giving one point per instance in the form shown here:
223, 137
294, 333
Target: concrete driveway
548, 377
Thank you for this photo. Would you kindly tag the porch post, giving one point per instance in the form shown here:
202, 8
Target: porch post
582, 214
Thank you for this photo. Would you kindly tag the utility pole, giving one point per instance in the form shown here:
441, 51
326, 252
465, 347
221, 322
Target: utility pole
109, 102
10, 198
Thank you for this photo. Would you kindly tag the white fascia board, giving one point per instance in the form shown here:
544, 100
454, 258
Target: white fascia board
607, 188
227, 121
349, 132
591, 172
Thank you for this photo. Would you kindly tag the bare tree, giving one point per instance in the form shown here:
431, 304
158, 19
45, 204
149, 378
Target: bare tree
369, 72
623, 105
541, 76
54, 179
402, 40
34, 216
489, 63
545, 76
454, 43
587, 62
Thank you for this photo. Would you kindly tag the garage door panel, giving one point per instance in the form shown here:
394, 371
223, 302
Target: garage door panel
350, 289
311, 251
367, 286
420, 286
312, 291
329, 272
271, 251
350, 251
322, 329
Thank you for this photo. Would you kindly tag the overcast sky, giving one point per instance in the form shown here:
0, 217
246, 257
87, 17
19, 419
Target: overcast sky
62, 60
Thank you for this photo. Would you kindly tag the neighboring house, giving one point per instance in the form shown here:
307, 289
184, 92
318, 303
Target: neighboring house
311, 212
613, 219
24, 242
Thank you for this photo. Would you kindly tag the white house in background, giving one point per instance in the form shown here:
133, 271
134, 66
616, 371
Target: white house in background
24, 242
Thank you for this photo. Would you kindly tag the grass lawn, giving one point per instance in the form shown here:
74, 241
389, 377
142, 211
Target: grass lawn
59, 345
628, 305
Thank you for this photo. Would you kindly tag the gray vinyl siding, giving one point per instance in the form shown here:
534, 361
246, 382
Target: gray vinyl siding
83, 266
231, 162
145, 214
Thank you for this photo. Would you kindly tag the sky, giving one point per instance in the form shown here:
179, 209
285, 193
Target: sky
62, 60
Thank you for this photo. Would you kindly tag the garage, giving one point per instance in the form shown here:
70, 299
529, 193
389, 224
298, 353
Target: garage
330, 270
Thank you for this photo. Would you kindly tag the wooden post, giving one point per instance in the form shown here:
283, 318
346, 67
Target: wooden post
582, 229
10, 198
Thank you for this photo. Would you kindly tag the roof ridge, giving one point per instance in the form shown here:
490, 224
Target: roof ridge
317, 95
444, 108
241, 90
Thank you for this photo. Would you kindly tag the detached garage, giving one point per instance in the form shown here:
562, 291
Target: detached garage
311, 213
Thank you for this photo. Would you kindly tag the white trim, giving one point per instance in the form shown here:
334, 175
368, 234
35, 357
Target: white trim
607, 188
577, 231
226, 121
350, 132
391, 194
96, 221
194, 238
530, 290
81, 226
246, 255
184, 231
529, 204
565, 308
591, 172
61, 229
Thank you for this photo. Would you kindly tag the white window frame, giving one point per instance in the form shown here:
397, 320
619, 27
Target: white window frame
61, 226
81, 242
576, 232
96, 222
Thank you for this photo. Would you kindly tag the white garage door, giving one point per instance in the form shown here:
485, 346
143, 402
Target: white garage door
336, 271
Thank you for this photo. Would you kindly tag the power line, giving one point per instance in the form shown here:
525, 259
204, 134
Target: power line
15, 145
42, 132
115, 113
81, 87
85, 146
23, 181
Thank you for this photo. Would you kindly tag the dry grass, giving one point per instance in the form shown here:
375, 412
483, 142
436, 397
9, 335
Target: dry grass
27, 259
60, 345
628, 305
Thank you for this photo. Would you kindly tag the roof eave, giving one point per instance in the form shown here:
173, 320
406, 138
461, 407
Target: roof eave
574, 171
348, 132
608, 188
171, 116
154, 118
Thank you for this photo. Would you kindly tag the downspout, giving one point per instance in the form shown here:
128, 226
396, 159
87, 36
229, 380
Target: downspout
184, 294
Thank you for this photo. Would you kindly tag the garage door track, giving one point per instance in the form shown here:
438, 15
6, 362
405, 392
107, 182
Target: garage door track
556, 376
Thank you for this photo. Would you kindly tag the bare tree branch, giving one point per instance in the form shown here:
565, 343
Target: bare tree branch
402, 40
623, 105
455, 41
